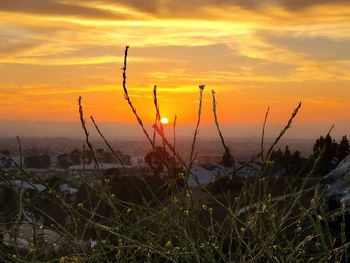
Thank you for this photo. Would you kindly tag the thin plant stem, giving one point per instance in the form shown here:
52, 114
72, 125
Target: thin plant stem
96, 164
284, 130
227, 150
174, 133
196, 131
20, 151
107, 143
263, 134
127, 98
106, 192
83, 125
154, 133
158, 116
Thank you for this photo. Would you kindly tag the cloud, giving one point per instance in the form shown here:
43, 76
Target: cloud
196, 8
55, 7
144, 10
301, 4
317, 48
151, 6
10, 48
293, 5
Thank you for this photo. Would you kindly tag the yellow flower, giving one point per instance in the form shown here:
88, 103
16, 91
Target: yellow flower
186, 212
169, 244
181, 176
242, 229
174, 200
270, 163
204, 207
129, 211
215, 246
80, 205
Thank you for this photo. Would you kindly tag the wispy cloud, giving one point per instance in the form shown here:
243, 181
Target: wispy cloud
60, 8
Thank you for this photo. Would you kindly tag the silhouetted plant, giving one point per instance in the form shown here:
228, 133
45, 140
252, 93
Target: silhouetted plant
142, 219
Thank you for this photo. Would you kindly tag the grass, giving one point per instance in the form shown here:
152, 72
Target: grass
257, 219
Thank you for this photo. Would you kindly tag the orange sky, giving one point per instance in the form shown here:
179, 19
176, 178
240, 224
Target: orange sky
255, 54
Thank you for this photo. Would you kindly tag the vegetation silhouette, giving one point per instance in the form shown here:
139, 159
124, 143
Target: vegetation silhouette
150, 218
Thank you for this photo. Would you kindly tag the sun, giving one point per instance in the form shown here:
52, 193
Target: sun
164, 120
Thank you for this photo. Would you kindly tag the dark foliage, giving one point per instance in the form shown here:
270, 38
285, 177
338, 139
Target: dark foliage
330, 152
291, 163
75, 157
227, 158
159, 160
42, 161
63, 161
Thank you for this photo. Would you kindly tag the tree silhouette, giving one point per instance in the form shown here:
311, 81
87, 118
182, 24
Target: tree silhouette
42, 161
87, 156
326, 150
75, 157
63, 161
291, 162
159, 160
227, 158
344, 148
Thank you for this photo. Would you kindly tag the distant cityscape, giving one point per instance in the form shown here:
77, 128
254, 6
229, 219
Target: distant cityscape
241, 148
62, 159
40, 168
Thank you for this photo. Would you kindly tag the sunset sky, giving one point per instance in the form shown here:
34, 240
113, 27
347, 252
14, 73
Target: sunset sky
254, 53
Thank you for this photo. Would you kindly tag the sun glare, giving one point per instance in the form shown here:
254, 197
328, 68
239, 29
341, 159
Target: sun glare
164, 120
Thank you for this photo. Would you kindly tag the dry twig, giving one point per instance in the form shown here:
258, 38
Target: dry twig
196, 131
283, 131
107, 143
227, 149
263, 134
127, 98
